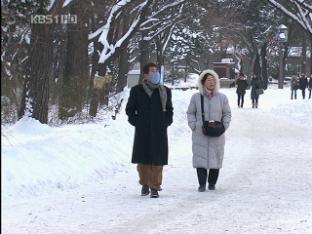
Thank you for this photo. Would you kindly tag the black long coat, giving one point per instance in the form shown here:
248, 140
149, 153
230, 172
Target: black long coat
303, 83
150, 121
241, 86
255, 84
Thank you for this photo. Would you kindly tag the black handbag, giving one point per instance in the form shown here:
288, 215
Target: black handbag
259, 91
211, 128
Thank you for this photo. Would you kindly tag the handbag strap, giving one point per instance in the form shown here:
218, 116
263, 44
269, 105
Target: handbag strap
202, 107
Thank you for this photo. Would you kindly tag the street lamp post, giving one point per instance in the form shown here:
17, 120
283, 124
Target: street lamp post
282, 38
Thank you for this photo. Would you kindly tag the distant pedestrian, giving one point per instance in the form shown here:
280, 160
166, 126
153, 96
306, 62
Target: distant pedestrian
303, 84
242, 85
294, 85
255, 91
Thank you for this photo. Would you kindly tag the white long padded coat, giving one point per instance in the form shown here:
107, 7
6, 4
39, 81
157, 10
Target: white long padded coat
208, 151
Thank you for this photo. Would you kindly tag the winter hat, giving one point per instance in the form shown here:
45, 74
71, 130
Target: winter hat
202, 76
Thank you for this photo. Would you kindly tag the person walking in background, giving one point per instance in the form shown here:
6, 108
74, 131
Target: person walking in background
294, 85
208, 106
303, 84
241, 89
255, 86
310, 86
150, 111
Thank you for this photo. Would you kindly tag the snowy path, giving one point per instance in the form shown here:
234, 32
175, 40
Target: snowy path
265, 186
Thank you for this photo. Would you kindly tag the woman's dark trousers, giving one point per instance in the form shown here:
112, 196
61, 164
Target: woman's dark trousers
240, 100
255, 102
202, 176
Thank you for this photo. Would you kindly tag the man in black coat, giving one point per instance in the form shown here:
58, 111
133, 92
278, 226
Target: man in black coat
150, 111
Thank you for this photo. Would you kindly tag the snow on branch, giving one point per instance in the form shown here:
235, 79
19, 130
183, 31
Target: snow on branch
167, 39
153, 24
110, 49
113, 14
302, 3
168, 36
153, 18
302, 14
160, 30
174, 4
66, 3
56, 6
169, 22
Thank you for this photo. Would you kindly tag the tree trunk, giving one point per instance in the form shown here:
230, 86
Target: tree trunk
264, 69
22, 109
281, 69
95, 93
36, 89
242, 66
104, 92
283, 56
144, 54
123, 62
257, 67
95, 60
59, 57
101, 96
123, 70
76, 65
252, 62
160, 56
310, 55
304, 55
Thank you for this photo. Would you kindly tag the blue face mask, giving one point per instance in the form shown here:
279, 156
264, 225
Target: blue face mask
155, 78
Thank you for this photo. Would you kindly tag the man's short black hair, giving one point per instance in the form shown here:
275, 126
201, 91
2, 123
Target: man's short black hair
147, 66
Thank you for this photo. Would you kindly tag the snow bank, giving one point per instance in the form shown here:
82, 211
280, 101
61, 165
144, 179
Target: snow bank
39, 158
191, 82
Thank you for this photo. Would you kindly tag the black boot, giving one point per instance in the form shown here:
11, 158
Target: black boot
212, 178
145, 190
202, 179
154, 193
202, 188
211, 187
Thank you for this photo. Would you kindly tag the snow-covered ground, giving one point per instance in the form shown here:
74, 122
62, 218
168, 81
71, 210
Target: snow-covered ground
78, 178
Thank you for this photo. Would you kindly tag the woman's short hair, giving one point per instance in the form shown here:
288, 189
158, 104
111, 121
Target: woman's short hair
205, 78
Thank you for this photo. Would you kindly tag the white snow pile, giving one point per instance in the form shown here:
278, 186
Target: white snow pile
36, 157
190, 82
